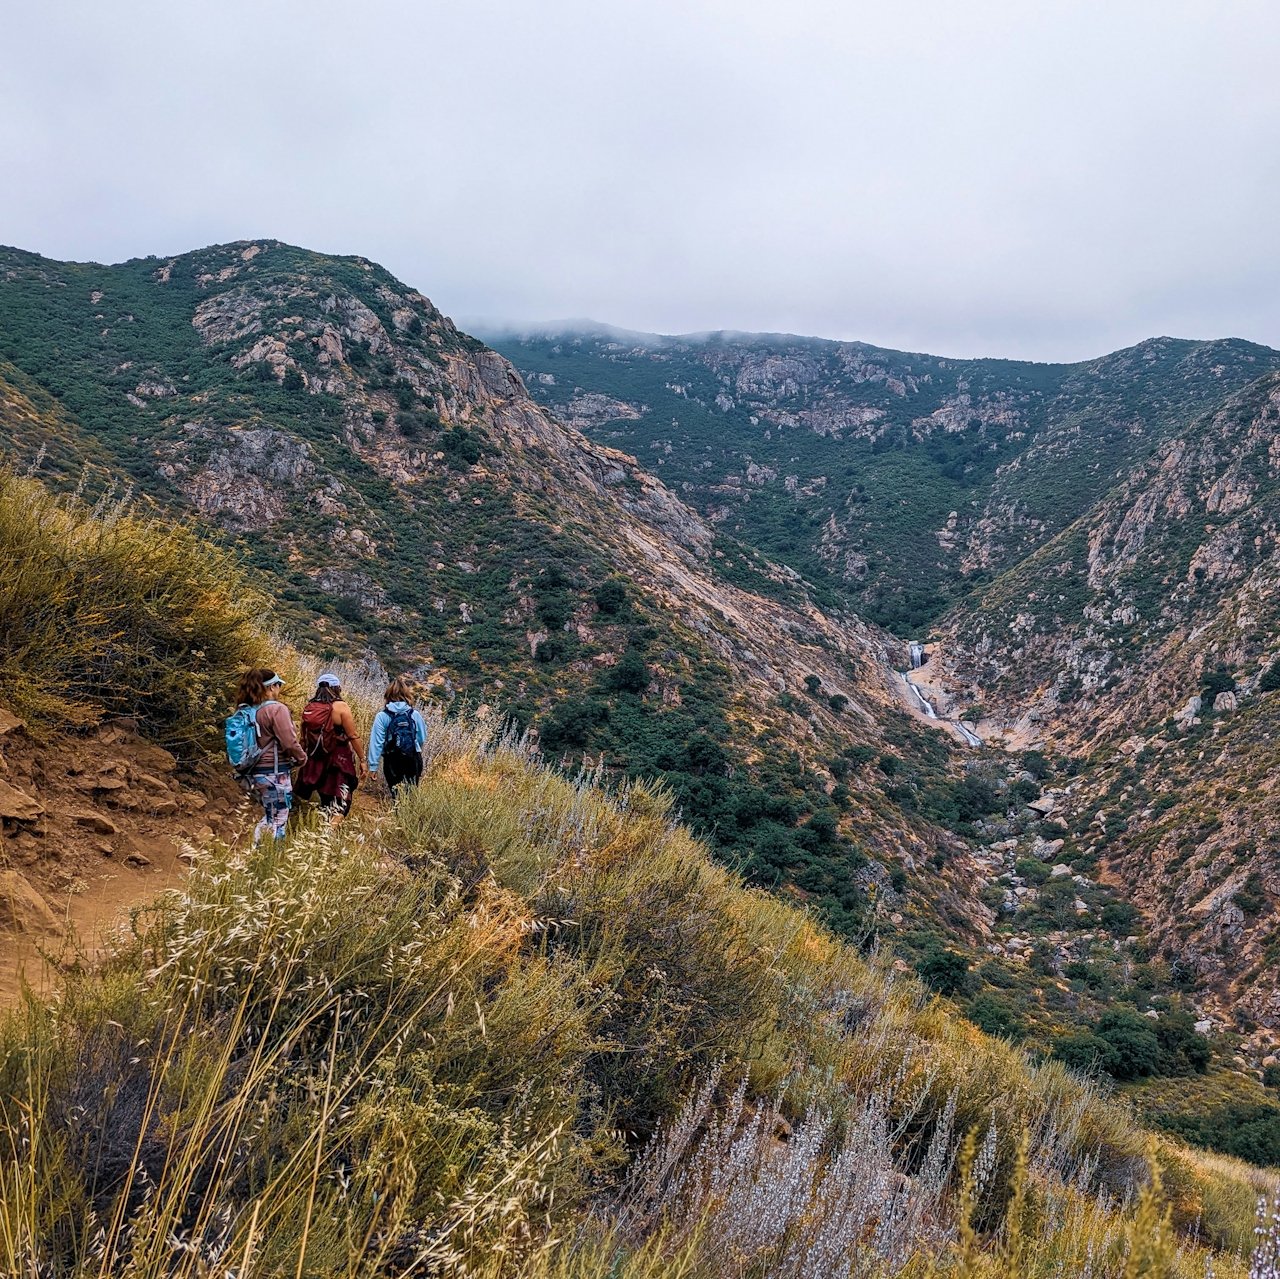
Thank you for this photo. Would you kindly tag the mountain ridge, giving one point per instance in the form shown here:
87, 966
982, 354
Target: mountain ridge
983, 452
395, 482
697, 621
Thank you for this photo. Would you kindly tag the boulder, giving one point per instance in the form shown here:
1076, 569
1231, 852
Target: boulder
9, 722
1044, 805
17, 806
1059, 870
22, 909
1189, 711
99, 823
1047, 850
154, 759
1225, 702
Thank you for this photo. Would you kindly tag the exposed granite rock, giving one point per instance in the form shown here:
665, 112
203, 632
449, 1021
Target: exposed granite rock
22, 909
244, 481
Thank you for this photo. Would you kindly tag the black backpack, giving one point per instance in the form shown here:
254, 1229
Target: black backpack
402, 734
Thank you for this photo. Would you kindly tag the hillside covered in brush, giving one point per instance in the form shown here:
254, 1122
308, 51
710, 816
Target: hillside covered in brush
393, 483
1092, 550
516, 1024
1147, 633
893, 482
1050, 852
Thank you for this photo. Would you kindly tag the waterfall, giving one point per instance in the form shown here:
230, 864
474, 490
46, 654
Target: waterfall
922, 703
920, 699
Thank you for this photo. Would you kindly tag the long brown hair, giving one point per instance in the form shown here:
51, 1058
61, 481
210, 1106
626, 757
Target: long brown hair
253, 686
326, 693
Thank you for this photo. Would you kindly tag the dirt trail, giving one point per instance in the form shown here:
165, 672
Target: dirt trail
93, 825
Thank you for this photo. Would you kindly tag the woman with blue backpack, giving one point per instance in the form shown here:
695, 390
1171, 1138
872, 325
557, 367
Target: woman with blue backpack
262, 746
397, 738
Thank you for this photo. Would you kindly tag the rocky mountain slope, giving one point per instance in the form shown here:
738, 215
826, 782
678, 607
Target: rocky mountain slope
1145, 635
707, 619
404, 496
892, 481
1107, 547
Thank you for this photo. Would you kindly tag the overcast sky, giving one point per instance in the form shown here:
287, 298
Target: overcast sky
1026, 177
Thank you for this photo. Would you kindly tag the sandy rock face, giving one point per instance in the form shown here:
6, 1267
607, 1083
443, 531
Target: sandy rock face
22, 909
16, 805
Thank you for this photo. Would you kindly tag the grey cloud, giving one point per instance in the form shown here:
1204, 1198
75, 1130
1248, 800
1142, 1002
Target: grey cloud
1047, 180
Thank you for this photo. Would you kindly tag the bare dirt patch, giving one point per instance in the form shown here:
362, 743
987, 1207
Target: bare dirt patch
92, 825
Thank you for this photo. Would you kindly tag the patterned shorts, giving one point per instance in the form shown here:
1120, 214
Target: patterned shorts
274, 791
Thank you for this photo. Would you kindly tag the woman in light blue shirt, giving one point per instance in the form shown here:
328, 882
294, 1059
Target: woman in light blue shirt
397, 738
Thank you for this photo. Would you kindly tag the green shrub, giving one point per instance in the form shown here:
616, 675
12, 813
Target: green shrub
993, 1015
1252, 896
631, 675
611, 596
1024, 791
1119, 917
1133, 1038
944, 971
460, 447
1087, 1053
1217, 681
1137, 1046
1035, 763
1250, 1132
975, 798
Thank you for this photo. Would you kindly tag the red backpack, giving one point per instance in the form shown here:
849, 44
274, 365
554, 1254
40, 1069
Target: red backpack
319, 736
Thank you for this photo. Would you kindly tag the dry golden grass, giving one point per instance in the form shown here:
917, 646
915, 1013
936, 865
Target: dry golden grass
105, 612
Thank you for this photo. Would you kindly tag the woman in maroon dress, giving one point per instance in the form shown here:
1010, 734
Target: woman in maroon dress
335, 760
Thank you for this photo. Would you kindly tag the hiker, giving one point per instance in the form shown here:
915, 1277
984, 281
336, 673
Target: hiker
398, 735
329, 739
262, 746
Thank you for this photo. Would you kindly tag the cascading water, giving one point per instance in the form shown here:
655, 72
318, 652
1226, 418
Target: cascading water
919, 698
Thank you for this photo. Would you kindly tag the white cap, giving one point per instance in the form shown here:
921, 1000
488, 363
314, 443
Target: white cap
329, 678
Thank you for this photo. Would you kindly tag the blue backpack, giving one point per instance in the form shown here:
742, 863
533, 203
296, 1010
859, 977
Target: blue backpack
402, 733
241, 733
